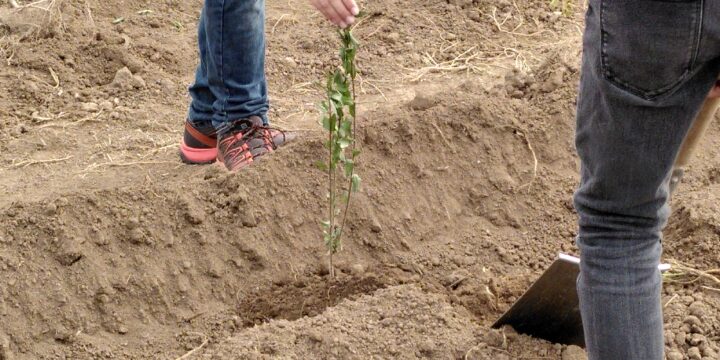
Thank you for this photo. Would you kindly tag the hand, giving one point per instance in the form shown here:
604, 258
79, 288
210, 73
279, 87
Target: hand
715, 91
339, 12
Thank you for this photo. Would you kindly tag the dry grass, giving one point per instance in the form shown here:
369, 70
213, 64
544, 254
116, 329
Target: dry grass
26, 163
685, 274
34, 19
193, 351
518, 49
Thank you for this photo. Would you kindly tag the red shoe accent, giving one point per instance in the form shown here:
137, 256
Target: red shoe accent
190, 155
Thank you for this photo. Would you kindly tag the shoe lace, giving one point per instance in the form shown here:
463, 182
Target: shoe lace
242, 131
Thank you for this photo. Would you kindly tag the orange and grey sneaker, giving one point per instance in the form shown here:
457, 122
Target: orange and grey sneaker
199, 143
242, 142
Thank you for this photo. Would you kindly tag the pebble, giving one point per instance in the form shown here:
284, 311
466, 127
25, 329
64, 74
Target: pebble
697, 309
422, 102
393, 37
675, 355
106, 105
427, 347
136, 236
290, 62
680, 338
167, 86
692, 320
358, 269
375, 226
69, 252
50, 209
694, 353
669, 337
495, 339
124, 79
89, 107
697, 339
435, 261
249, 220
5, 349
573, 352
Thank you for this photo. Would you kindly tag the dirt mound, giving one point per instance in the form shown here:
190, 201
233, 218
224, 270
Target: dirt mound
400, 322
692, 325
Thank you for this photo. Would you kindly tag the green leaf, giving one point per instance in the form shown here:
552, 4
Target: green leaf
355, 153
333, 123
346, 126
349, 166
344, 143
345, 129
321, 165
347, 99
336, 97
341, 82
353, 40
356, 182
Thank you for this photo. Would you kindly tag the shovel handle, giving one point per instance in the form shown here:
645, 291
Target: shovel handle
701, 124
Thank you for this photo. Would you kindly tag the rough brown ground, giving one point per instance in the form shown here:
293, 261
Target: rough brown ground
110, 248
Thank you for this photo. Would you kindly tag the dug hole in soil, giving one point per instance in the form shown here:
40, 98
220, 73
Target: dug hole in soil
110, 248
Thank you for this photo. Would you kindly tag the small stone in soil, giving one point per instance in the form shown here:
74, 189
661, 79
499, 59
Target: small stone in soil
50, 209
495, 338
375, 226
692, 320
358, 269
5, 349
89, 107
422, 102
573, 352
69, 252
674, 355
694, 353
248, 220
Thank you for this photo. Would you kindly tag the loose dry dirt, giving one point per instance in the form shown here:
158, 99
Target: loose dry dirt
110, 248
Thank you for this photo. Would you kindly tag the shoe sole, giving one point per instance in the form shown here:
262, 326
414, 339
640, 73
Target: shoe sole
195, 156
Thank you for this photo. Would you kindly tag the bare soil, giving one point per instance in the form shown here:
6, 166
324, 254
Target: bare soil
111, 248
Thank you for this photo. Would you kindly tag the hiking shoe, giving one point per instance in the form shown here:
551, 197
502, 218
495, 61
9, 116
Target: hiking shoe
242, 142
199, 143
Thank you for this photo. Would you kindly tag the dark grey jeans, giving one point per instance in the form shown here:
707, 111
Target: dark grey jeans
647, 67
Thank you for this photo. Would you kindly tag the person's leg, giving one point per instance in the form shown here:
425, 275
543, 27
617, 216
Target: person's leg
642, 84
201, 107
235, 31
199, 142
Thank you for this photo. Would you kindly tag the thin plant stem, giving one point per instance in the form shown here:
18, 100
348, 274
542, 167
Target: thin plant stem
331, 268
352, 158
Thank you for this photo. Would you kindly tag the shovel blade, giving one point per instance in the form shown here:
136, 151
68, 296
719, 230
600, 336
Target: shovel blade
550, 308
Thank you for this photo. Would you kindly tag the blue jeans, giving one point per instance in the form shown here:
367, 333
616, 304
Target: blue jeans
647, 67
230, 80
